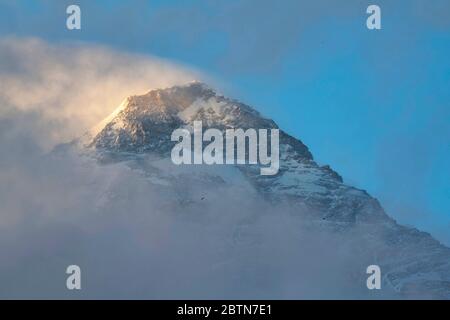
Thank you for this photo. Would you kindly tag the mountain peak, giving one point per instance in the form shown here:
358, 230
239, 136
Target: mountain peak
143, 125
173, 99
141, 120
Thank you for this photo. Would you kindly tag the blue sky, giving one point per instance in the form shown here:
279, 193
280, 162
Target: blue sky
375, 105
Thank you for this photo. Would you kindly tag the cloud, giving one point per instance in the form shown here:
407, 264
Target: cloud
131, 236
135, 239
72, 87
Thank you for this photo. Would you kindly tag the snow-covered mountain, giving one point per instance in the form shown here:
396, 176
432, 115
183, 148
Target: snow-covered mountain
138, 134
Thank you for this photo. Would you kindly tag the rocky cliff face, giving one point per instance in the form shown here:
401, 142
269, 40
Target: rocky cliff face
413, 264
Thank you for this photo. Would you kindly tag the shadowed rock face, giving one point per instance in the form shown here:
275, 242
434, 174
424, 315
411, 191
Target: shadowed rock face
412, 262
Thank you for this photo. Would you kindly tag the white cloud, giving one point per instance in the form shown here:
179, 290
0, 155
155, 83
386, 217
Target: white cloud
132, 238
74, 86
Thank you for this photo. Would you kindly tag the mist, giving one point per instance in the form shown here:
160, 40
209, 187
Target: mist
72, 86
132, 236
